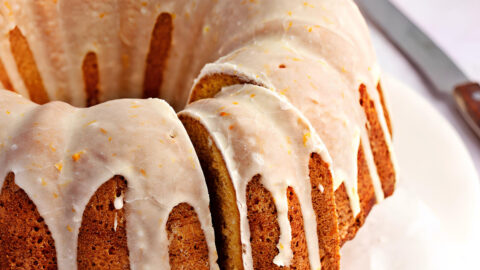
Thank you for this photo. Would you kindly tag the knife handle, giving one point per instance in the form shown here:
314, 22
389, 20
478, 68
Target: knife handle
467, 97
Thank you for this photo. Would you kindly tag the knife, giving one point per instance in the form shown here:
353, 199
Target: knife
431, 61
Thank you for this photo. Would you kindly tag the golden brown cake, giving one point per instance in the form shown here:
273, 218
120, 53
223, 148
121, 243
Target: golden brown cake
342, 99
100, 188
312, 58
273, 202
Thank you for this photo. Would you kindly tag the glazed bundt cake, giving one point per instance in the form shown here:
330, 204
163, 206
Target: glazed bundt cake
292, 170
100, 187
348, 117
269, 178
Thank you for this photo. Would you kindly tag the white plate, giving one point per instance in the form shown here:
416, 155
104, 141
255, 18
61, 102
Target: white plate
432, 221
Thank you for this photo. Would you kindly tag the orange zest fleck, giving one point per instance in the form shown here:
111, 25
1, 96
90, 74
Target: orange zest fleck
91, 122
59, 166
76, 156
289, 25
306, 136
224, 114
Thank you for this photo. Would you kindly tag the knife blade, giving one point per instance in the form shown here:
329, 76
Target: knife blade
443, 74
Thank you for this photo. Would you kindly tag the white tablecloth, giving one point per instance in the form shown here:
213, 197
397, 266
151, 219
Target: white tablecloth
455, 26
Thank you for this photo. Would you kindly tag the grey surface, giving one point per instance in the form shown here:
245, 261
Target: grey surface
441, 72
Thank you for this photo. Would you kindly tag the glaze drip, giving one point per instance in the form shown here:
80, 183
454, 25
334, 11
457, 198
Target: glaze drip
260, 133
61, 155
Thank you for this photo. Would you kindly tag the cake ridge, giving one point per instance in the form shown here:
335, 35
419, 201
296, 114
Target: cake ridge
264, 72
242, 104
53, 162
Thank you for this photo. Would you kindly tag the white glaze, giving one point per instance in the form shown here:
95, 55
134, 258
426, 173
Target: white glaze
60, 33
331, 32
61, 155
253, 36
321, 81
260, 132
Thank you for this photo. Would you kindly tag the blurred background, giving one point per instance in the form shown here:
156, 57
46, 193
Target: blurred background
455, 27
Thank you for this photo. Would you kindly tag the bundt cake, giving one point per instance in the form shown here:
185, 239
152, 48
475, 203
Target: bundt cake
313, 75
100, 188
344, 107
269, 178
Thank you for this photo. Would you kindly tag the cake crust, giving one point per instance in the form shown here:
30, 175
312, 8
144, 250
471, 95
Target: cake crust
325, 68
27, 67
188, 248
64, 157
209, 122
25, 240
225, 215
102, 239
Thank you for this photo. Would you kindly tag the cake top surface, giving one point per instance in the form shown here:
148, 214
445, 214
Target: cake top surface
62, 33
